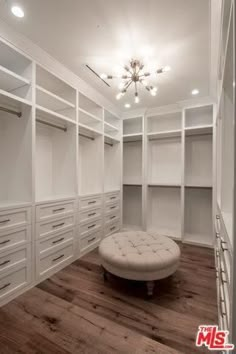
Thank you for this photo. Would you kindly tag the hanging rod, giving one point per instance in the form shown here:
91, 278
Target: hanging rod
86, 136
108, 143
131, 141
11, 111
51, 125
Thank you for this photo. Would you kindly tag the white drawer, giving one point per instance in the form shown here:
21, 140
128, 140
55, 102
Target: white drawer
112, 197
54, 241
14, 281
55, 259
89, 241
12, 258
52, 227
88, 215
111, 218
14, 218
13, 238
89, 227
112, 228
55, 210
111, 208
90, 202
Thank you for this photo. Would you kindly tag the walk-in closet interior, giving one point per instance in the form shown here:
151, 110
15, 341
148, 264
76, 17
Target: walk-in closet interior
86, 155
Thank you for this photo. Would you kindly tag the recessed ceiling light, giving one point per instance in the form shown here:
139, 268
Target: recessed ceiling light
127, 105
17, 11
195, 92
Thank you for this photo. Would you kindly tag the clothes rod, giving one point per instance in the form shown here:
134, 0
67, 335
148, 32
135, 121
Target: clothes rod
51, 125
86, 136
11, 111
108, 143
131, 141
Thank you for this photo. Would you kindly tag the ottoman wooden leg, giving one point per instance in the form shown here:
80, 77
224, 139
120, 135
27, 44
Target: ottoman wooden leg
150, 287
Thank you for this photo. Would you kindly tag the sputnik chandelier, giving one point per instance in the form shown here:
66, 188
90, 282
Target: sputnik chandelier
133, 76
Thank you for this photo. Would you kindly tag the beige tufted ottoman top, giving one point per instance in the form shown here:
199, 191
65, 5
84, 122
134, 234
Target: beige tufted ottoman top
139, 255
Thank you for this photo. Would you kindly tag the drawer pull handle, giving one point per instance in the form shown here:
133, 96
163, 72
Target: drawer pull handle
221, 309
92, 202
57, 258
112, 228
4, 242
217, 235
4, 263
112, 198
57, 241
4, 221
5, 286
113, 207
217, 217
91, 226
222, 246
58, 225
59, 209
91, 214
92, 239
112, 217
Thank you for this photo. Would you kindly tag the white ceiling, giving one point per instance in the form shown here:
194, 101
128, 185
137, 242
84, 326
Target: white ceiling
105, 33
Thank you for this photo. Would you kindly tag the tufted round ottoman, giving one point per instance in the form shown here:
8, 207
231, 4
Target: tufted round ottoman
138, 255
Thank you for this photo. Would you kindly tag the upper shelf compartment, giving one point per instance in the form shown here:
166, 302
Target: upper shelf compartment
165, 125
90, 107
15, 72
199, 117
112, 125
55, 95
132, 126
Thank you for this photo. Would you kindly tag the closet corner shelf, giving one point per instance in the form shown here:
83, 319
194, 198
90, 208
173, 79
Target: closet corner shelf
85, 129
164, 134
88, 114
13, 101
198, 130
10, 81
132, 137
54, 102
110, 127
167, 185
49, 114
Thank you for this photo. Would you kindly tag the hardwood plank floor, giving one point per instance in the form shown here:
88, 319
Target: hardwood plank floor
76, 312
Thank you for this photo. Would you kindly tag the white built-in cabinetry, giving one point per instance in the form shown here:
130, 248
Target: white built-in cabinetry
60, 180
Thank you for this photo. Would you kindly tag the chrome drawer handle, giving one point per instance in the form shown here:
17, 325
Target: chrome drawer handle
57, 241
5, 286
58, 225
221, 276
91, 214
59, 209
217, 235
92, 239
217, 217
113, 207
56, 259
4, 263
4, 221
91, 226
112, 228
112, 217
112, 198
222, 243
4, 242
92, 202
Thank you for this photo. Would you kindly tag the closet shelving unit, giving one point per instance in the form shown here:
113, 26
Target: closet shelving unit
133, 132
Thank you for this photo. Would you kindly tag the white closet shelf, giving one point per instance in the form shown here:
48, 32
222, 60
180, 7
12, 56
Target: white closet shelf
10, 81
110, 128
132, 184
52, 101
132, 137
12, 101
84, 129
52, 199
49, 115
10, 204
89, 115
198, 239
164, 134
198, 130
110, 139
174, 185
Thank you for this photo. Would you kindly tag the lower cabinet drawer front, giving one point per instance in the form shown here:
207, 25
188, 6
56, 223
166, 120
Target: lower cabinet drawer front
90, 202
55, 241
90, 240
112, 208
54, 210
14, 237
84, 228
112, 197
10, 259
88, 215
49, 228
14, 218
112, 228
54, 259
111, 218
13, 281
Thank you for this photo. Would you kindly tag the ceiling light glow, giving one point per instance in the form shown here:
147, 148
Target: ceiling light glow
195, 92
17, 11
127, 105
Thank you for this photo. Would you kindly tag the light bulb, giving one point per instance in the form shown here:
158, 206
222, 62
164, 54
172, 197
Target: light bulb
153, 93
118, 96
127, 105
103, 76
195, 92
136, 99
17, 11
154, 89
166, 68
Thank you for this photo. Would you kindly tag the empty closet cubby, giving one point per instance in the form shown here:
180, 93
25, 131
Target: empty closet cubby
132, 162
112, 125
132, 207
54, 95
15, 73
90, 167
164, 161
198, 216
164, 123
133, 126
55, 158
90, 114
199, 116
112, 165
15, 153
164, 211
